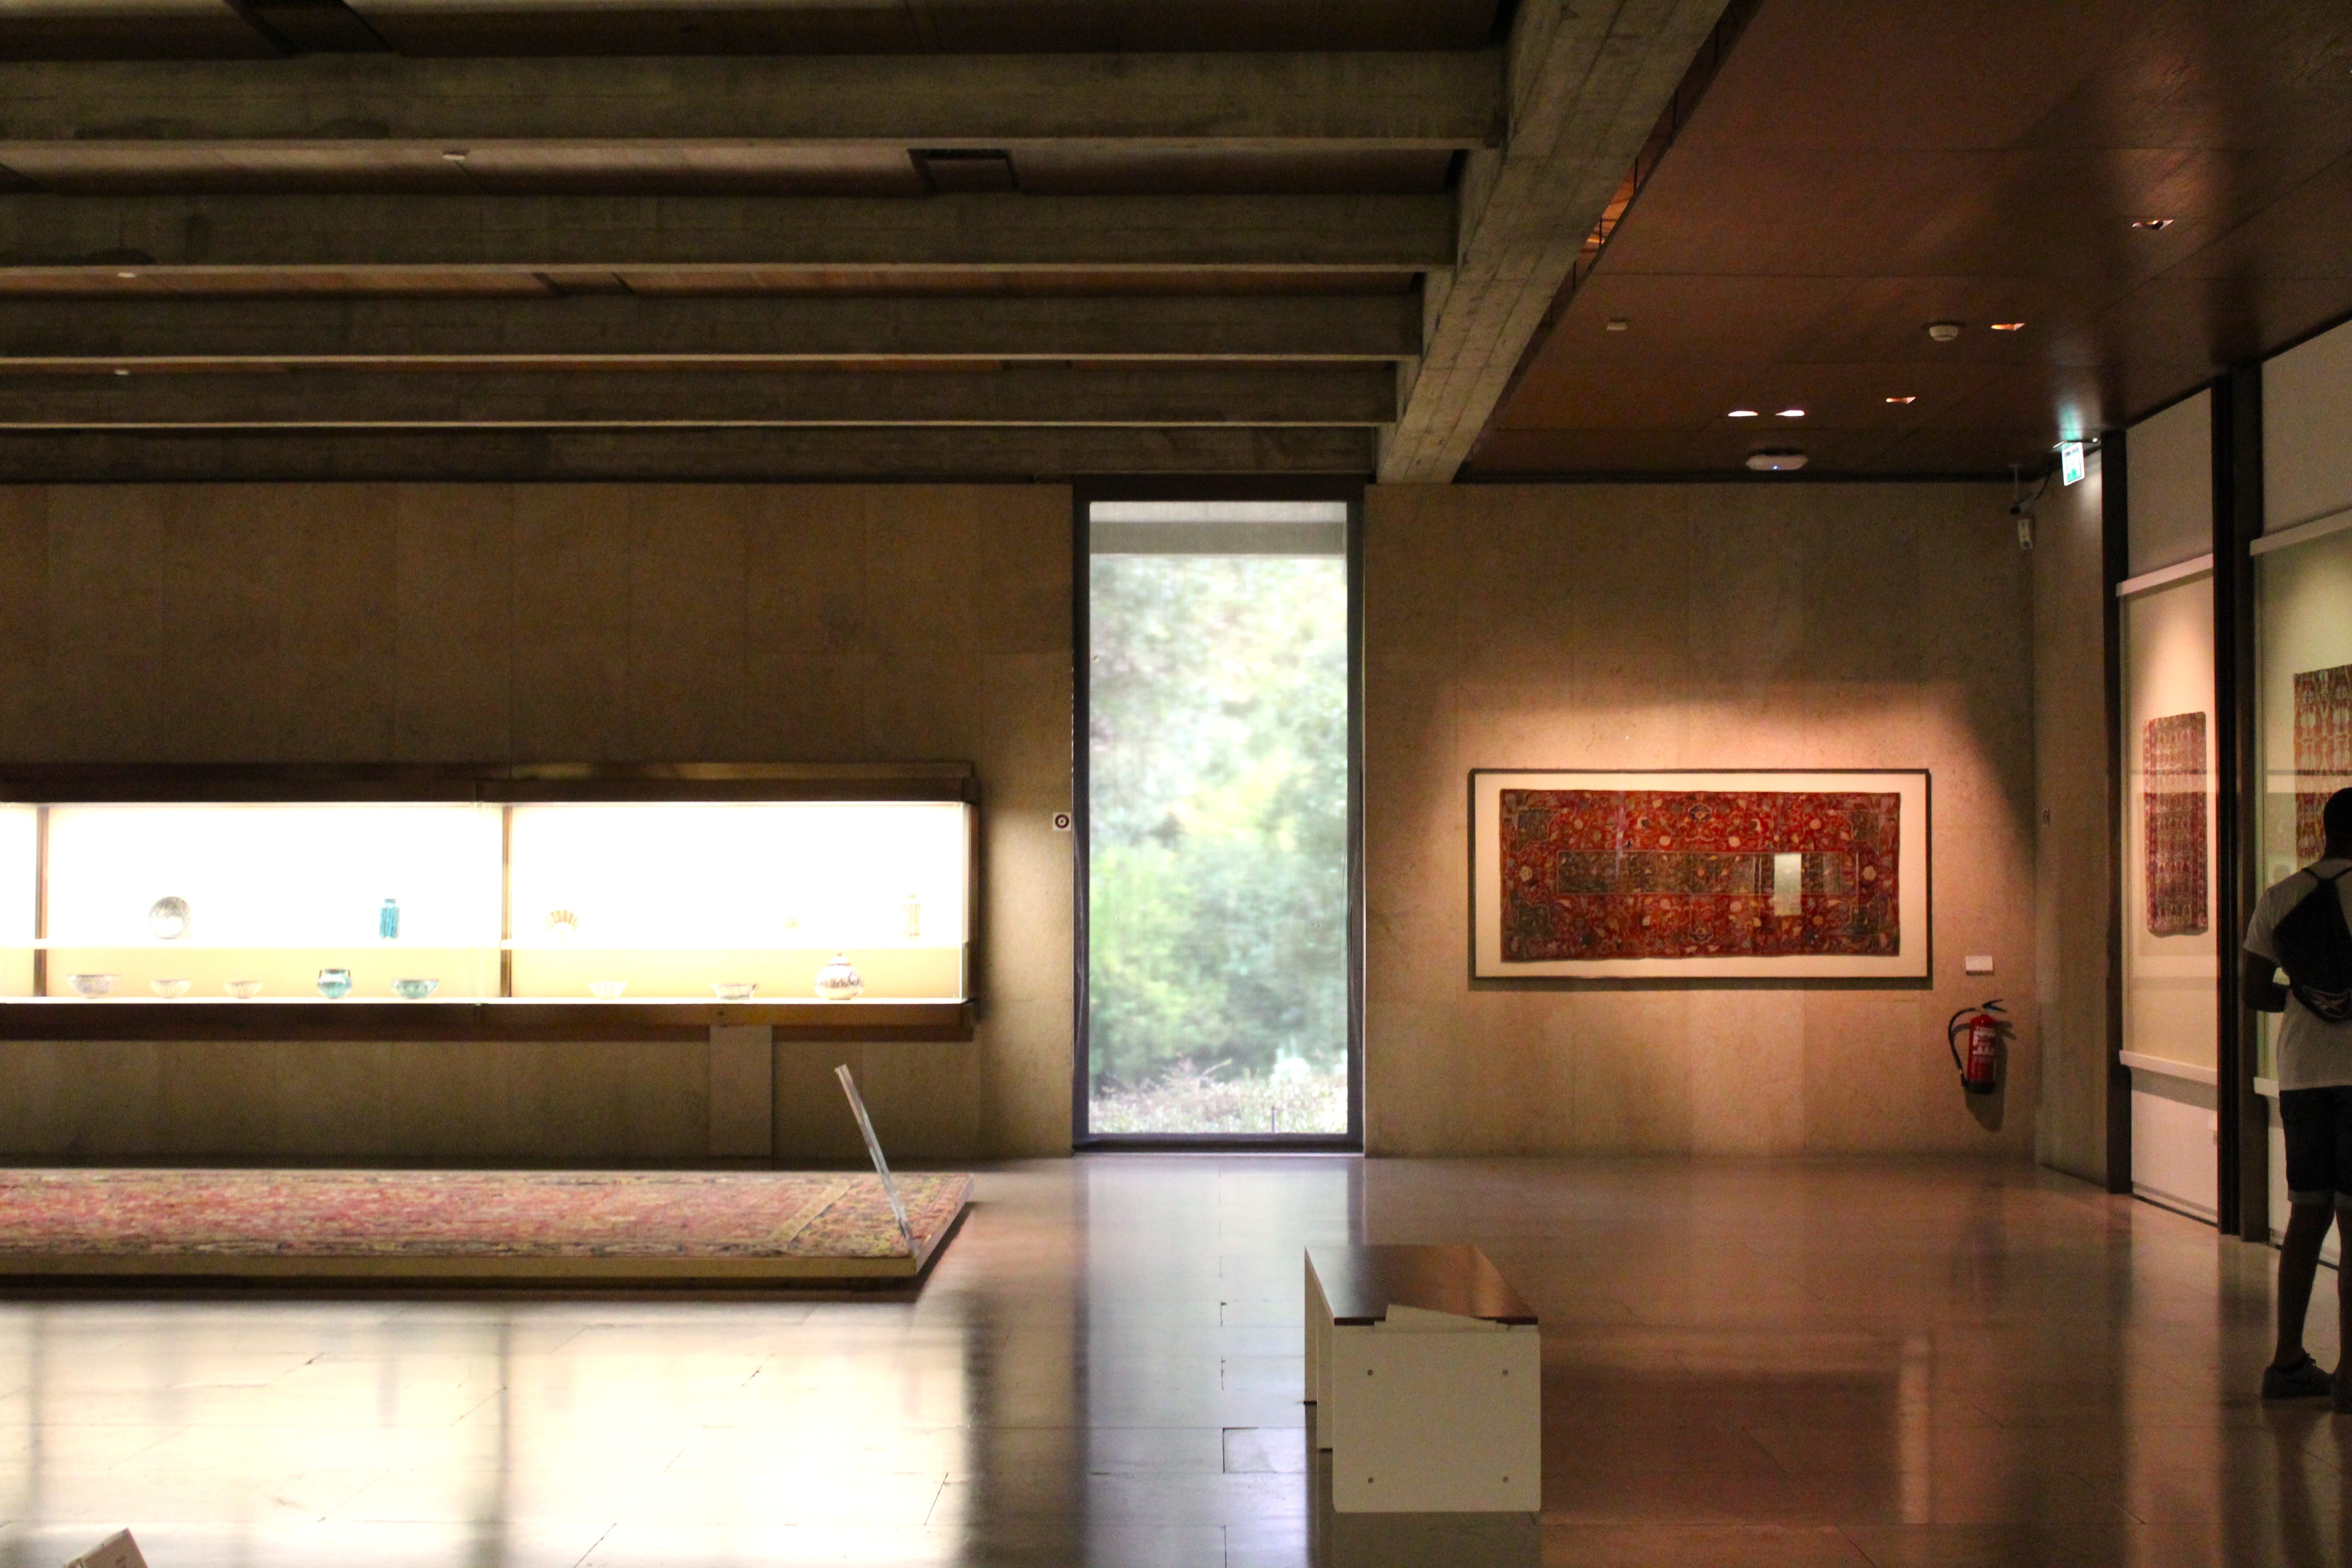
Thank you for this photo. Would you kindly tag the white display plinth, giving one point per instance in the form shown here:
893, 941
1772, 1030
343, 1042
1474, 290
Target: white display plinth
1425, 1372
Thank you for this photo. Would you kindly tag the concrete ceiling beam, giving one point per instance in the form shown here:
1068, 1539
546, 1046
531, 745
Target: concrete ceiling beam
189, 235
905, 453
317, 399
1586, 87
622, 329
1266, 100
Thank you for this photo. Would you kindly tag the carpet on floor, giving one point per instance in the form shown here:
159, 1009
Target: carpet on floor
567, 1225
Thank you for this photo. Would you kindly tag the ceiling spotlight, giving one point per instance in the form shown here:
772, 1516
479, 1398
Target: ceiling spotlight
1943, 332
1913, 398
1786, 461
121, 370
1792, 413
2153, 223
1617, 323
1741, 414
126, 275
455, 156
2008, 326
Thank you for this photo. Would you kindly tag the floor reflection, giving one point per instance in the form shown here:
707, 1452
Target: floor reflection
1857, 1362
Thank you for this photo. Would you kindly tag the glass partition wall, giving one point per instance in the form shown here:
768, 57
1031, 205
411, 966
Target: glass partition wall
1219, 811
2303, 585
2171, 967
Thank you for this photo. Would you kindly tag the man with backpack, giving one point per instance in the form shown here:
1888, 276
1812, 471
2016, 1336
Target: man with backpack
2302, 926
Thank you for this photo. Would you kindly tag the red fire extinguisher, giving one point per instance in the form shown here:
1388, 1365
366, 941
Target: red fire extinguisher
1981, 1068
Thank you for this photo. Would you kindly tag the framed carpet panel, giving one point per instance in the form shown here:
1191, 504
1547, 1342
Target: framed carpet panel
1686, 875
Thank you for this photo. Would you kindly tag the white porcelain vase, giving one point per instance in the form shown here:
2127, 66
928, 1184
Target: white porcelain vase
839, 981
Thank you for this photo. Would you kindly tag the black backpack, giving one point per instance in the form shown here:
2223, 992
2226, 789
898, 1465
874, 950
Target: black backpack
2315, 948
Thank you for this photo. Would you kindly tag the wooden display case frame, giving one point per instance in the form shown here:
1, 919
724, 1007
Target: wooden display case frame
137, 1018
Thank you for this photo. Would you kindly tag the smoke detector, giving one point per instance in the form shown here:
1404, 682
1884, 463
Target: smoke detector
1783, 461
1943, 332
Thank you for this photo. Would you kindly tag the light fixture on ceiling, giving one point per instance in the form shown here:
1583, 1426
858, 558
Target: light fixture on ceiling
1741, 414
122, 369
455, 156
2008, 326
1792, 413
1913, 398
126, 275
1943, 332
1617, 323
2153, 223
1786, 460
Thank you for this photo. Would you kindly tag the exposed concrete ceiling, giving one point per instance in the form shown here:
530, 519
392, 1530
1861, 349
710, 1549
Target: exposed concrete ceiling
1425, 239
934, 235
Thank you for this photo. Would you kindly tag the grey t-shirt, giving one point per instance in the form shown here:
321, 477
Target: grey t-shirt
2313, 1053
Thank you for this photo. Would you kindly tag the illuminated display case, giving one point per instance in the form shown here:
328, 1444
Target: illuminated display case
446, 903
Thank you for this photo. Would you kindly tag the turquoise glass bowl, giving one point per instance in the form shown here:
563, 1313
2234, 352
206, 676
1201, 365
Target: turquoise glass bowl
335, 984
414, 990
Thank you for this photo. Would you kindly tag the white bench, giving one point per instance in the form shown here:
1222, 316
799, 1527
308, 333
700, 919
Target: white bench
1425, 1370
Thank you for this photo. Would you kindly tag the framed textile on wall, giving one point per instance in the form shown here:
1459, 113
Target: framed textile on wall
2323, 751
2173, 803
1683, 874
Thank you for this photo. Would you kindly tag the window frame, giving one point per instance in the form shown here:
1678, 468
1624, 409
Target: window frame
1083, 497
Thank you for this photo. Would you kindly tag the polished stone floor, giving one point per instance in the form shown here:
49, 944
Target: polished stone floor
1853, 1362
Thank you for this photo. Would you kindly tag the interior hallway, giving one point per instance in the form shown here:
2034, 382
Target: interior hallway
1850, 1362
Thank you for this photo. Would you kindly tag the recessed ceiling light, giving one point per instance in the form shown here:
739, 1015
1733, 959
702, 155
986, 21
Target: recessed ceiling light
455, 156
1741, 414
1943, 332
1792, 413
1617, 323
119, 370
2008, 326
2153, 223
126, 275
1913, 398
1776, 462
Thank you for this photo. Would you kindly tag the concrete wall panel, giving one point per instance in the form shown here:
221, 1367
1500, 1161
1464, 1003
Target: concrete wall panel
1700, 626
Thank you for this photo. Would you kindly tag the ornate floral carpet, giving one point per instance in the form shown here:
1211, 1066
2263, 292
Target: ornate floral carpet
580, 1225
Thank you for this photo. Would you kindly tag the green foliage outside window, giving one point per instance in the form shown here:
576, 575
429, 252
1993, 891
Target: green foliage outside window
1218, 697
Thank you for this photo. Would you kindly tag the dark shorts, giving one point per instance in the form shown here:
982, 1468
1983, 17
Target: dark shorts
2318, 1145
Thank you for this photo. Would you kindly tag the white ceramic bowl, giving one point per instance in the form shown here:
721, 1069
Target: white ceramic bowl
92, 984
168, 989
605, 990
243, 989
735, 990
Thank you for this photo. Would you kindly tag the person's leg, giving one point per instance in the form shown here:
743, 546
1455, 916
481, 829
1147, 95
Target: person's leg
2306, 1228
2309, 1117
2342, 1296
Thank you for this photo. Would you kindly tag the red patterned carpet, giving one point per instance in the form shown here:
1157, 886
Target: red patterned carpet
578, 1226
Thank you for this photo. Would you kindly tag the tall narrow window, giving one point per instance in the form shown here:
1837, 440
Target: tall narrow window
1218, 826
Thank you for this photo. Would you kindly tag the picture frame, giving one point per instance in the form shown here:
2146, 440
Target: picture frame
1688, 874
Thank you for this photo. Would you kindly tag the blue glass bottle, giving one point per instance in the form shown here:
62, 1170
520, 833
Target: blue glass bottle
387, 920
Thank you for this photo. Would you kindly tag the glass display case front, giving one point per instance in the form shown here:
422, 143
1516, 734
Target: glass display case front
2302, 703
2170, 952
309, 902
831, 901
754, 909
